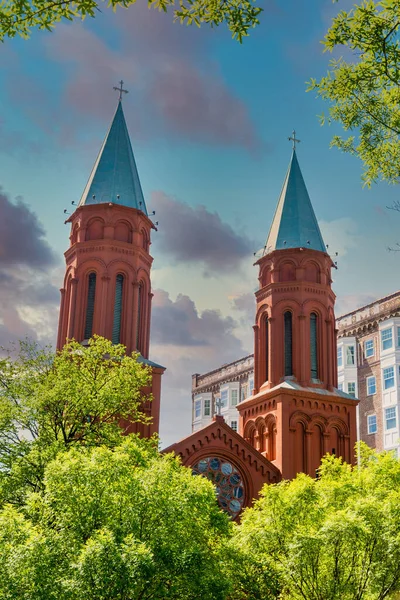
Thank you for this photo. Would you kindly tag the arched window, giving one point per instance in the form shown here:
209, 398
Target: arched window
313, 346
90, 306
116, 331
288, 343
139, 320
266, 349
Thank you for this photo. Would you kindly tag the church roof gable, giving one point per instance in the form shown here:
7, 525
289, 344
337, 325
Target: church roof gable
294, 224
114, 177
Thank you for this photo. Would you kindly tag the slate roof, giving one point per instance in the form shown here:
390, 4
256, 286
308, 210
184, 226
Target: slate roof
114, 177
294, 224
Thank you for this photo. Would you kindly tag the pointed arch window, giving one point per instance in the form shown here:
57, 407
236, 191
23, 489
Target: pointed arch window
116, 331
287, 317
314, 345
139, 320
90, 306
266, 349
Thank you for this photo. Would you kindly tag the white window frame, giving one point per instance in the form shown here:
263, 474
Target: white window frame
340, 386
197, 409
385, 378
350, 353
234, 391
367, 350
369, 381
398, 337
392, 417
340, 356
224, 403
251, 385
387, 339
207, 407
351, 383
234, 425
372, 427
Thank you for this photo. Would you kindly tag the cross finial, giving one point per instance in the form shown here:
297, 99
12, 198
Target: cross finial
294, 139
120, 90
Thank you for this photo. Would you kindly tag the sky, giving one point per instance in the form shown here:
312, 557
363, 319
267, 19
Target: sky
209, 121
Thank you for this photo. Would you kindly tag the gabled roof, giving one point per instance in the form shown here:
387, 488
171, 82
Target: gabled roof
114, 177
294, 224
218, 439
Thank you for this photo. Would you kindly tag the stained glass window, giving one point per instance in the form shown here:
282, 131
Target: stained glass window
228, 483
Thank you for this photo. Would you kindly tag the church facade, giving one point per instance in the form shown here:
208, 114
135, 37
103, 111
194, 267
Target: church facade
294, 412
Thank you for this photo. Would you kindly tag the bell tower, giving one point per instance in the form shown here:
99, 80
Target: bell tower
107, 286
296, 414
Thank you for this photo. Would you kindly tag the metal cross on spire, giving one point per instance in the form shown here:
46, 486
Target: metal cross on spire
120, 90
294, 139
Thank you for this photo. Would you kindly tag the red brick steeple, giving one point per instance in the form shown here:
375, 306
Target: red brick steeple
296, 414
107, 288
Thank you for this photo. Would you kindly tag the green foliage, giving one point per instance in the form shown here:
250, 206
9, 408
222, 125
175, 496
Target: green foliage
19, 17
49, 403
362, 88
335, 538
124, 523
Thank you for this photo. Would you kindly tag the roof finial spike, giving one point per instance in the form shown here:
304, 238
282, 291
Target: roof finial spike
120, 90
294, 139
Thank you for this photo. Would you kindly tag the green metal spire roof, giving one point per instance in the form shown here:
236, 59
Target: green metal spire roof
294, 224
114, 177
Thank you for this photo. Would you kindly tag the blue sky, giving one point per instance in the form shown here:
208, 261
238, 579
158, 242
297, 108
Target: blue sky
209, 121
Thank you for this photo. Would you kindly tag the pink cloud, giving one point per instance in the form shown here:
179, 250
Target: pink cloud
176, 87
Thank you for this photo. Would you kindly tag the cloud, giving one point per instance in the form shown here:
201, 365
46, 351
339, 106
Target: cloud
187, 341
28, 297
196, 235
340, 234
350, 302
22, 236
177, 87
245, 304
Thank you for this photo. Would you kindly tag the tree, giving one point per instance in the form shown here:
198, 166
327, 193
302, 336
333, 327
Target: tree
115, 524
363, 88
332, 538
19, 17
49, 403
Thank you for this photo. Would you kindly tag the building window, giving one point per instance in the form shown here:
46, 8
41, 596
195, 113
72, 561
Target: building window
371, 386
288, 343
351, 389
369, 348
398, 337
207, 407
340, 356
350, 357
224, 399
90, 306
234, 397
251, 385
313, 346
116, 330
387, 338
390, 417
388, 378
197, 409
372, 424
340, 387
234, 425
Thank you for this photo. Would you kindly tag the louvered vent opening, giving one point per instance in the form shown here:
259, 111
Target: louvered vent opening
116, 331
266, 350
90, 306
314, 346
139, 320
288, 343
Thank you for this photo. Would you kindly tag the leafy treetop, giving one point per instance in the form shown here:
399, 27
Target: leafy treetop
363, 86
20, 17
